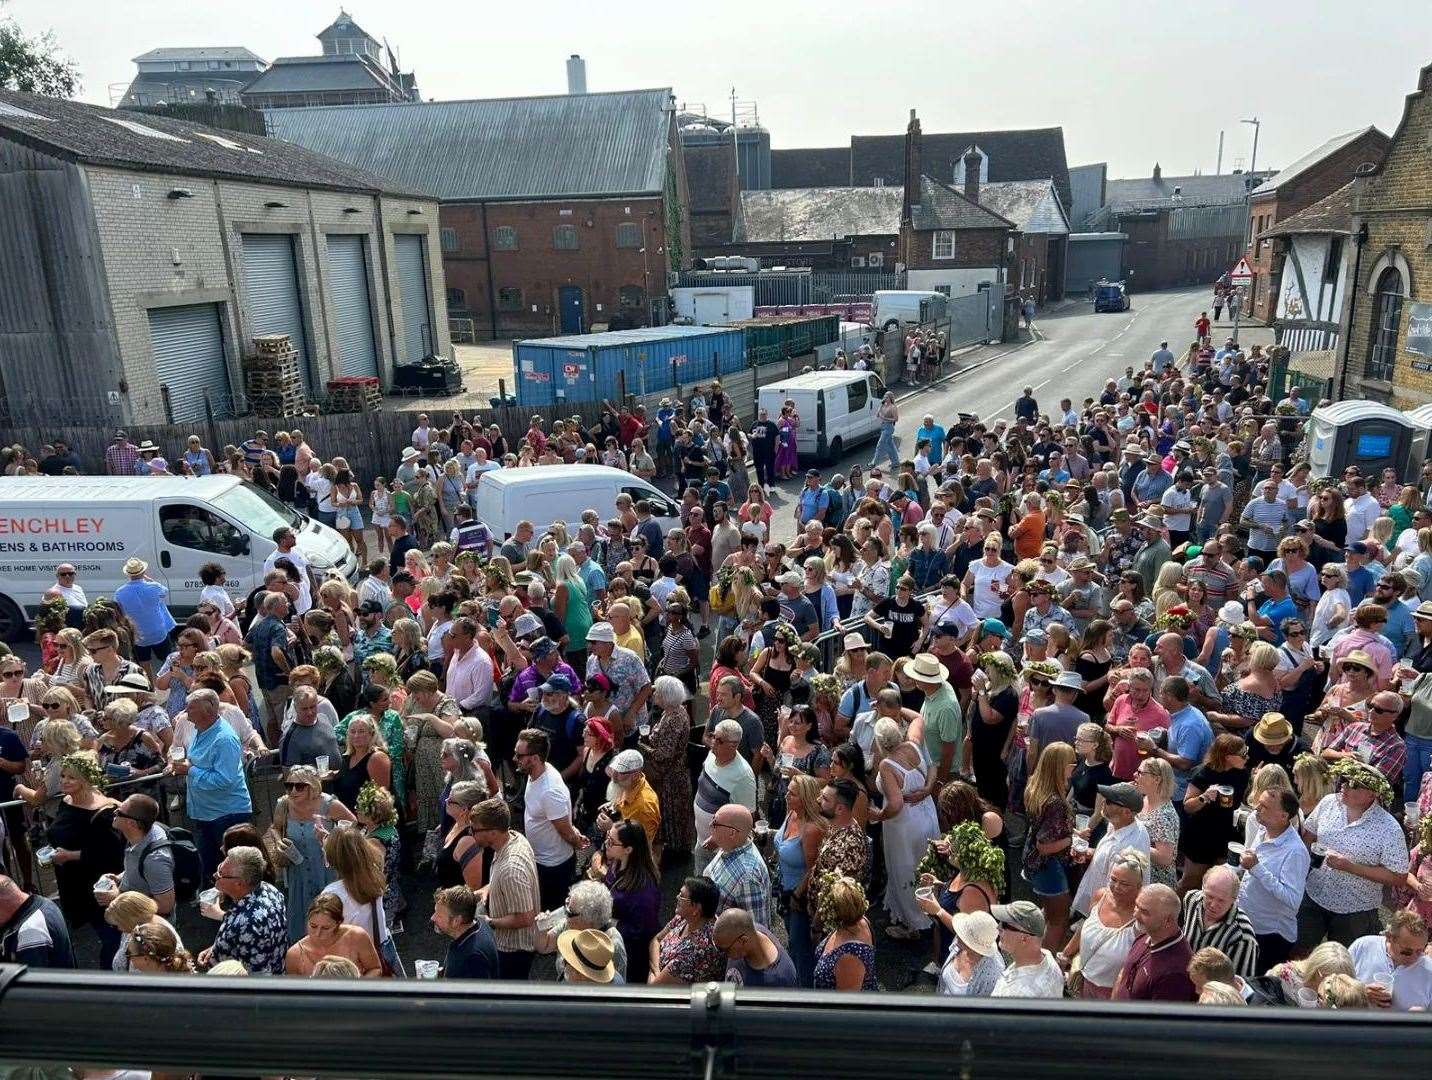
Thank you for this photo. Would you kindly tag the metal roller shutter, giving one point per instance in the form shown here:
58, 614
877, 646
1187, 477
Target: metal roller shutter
352, 314
188, 349
413, 300
271, 288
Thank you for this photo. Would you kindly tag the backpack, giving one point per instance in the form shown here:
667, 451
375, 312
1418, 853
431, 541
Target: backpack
188, 867
835, 508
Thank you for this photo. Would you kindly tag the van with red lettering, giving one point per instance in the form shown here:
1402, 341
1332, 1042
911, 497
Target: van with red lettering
176, 524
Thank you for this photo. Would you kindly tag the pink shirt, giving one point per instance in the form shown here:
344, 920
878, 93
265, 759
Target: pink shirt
1126, 751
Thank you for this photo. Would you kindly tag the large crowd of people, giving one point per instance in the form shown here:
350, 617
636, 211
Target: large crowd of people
1109, 701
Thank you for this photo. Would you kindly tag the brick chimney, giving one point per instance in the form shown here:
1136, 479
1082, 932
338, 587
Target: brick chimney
972, 175
1158, 173
912, 166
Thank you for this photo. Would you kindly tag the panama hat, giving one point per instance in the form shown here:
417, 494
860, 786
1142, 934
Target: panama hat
926, 668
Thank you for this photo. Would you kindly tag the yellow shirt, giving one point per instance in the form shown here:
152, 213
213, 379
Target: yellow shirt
634, 640
640, 804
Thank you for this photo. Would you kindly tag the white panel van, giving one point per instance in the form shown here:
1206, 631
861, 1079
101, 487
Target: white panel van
543, 494
893, 308
176, 524
837, 409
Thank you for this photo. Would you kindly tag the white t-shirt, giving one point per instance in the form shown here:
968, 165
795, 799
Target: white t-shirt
322, 490
219, 597
1178, 507
360, 915
74, 595
1041, 980
547, 801
1360, 513
1410, 985
305, 592
435, 639
984, 600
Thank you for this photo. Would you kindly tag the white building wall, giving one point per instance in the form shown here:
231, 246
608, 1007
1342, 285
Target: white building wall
1324, 298
961, 281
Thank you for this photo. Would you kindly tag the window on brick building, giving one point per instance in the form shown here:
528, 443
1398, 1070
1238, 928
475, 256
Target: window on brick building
628, 235
504, 238
564, 237
456, 298
875, 260
631, 296
509, 299
944, 244
1386, 318
449, 239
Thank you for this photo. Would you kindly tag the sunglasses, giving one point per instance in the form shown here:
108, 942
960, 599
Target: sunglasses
296, 786
13, 673
54, 705
1385, 712
66, 573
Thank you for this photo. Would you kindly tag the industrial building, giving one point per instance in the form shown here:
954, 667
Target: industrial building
354, 68
144, 254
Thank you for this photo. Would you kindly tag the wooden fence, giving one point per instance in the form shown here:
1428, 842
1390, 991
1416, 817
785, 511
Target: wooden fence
372, 442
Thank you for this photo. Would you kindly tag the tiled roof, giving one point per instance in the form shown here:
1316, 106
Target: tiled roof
942, 207
88, 133
825, 213
1330, 214
204, 52
1145, 192
507, 148
295, 74
827, 166
1033, 205
1310, 159
1032, 154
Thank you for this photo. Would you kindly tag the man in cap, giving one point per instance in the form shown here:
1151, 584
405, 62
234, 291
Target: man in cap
1122, 803
1082, 596
1043, 610
1060, 721
813, 503
545, 661
631, 685
1121, 544
121, 455
1150, 485
1032, 971
943, 720
795, 608
1153, 553
1156, 968
635, 798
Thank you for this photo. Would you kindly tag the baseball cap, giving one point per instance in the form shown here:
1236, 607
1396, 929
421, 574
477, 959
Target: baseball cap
790, 577
1125, 795
1021, 915
557, 684
628, 761
994, 626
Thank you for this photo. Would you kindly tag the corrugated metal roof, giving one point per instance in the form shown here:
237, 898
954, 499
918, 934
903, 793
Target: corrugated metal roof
821, 213
203, 52
507, 148
1033, 205
1311, 158
942, 207
88, 133
627, 337
1029, 154
295, 74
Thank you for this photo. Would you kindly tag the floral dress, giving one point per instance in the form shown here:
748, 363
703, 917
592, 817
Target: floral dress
667, 772
1162, 825
692, 957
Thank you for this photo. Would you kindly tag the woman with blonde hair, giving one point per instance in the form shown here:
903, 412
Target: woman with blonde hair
336, 598
125, 750
1051, 832
154, 948
1102, 941
909, 825
573, 605
1166, 587
1299, 979
86, 845
301, 822
410, 649
845, 960
327, 936
1155, 781
73, 665
357, 863
797, 844
126, 913
1312, 780
1257, 692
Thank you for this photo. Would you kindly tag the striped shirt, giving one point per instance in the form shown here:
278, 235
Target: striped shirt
512, 889
1266, 521
1232, 935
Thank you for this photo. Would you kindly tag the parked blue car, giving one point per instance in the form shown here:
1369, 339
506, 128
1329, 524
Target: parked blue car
1110, 296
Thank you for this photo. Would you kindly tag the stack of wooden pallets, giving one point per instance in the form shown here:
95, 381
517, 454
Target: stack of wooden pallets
272, 378
354, 393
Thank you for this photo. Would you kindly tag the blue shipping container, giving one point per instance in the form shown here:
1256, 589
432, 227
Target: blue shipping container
588, 367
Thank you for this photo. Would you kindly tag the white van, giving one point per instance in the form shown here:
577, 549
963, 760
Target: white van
893, 308
837, 409
543, 494
176, 524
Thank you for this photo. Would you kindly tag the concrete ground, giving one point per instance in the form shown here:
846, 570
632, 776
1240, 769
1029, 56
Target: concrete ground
484, 365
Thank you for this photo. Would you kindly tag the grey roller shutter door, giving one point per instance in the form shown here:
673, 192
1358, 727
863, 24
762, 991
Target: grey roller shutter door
413, 299
188, 349
271, 289
352, 314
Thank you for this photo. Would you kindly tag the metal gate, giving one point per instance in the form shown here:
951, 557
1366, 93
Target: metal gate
188, 348
352, 313
413, 299
271, 289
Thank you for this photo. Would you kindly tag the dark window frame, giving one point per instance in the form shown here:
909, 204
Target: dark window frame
1385, 325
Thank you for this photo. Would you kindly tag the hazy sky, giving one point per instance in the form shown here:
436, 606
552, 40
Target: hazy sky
1131, 83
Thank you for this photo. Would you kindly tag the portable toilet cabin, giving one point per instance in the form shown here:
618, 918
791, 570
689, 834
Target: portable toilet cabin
1421, 418
1368, 434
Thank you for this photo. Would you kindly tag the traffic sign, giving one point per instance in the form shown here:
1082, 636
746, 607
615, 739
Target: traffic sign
1241, 274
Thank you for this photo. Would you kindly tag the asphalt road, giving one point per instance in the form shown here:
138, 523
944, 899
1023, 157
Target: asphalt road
1071, 354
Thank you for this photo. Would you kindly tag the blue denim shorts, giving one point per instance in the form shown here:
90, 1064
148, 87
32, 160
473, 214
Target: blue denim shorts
349, 518
1050, 880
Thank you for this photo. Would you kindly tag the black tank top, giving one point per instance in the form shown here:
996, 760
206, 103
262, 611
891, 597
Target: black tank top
350, 780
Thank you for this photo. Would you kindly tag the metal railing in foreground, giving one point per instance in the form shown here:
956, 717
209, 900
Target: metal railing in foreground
269, 1026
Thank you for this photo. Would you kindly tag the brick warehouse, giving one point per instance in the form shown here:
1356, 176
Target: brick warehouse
1316, 174
558, 212
1387, 317
144, 254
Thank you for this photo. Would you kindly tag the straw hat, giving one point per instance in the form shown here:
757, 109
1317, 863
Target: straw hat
1273, 729
136, 568
926, 668
977, 931
589, 952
